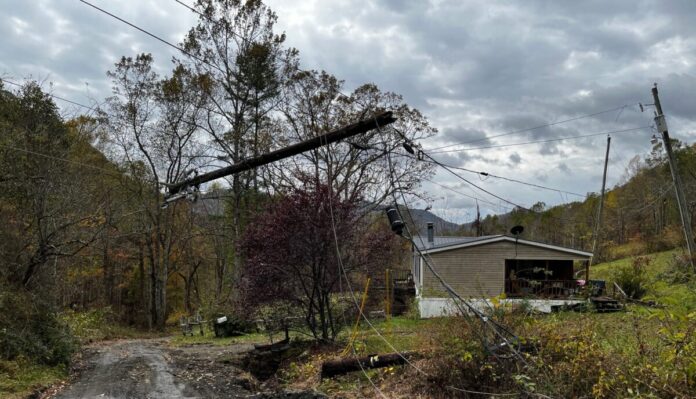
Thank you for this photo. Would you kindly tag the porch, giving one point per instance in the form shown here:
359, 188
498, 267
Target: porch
540, 278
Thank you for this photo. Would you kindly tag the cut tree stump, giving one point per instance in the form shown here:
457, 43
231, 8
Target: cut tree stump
332, 368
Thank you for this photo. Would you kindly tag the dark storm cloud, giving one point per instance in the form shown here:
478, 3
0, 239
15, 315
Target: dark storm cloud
476, 69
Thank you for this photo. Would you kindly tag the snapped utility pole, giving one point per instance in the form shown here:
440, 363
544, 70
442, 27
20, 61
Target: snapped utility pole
661, 125
363, 126
598, 223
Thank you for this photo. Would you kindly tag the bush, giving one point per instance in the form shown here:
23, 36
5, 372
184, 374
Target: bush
633, 278
30, 328
679, 270
670, 237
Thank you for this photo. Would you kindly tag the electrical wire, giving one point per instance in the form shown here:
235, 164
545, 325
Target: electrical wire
53, 96
544, 141
369, 323
342, 268
244, 39
620, 109
53, 157
447, 168
468, 195
170, 44
486, 174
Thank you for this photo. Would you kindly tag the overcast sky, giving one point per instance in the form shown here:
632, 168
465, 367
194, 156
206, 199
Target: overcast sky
475, 69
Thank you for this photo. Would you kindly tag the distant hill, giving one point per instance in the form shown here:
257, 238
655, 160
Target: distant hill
213, 204
421, 217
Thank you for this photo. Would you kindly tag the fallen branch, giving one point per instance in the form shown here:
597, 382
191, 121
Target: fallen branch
332, 368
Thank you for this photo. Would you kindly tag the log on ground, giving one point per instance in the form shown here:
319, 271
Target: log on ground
332, 368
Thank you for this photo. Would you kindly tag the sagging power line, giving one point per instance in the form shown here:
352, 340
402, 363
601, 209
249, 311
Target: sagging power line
486, 174
545, 141
620, 109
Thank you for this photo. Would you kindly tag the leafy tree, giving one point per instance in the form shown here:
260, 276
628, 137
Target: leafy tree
42, 204
291, 253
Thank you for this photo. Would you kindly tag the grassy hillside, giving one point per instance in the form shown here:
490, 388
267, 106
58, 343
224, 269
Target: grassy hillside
664, 280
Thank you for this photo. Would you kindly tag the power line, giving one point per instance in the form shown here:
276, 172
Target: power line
343, 274
544, 141
367, 320
621, 108
459, 176
40, 154
189, 7
465, 195
168, 43
486, 174
486, 321
52, 95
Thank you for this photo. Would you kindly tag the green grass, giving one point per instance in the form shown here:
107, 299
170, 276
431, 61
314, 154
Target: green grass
677, 296
20, 378
659, 264
97, 325
403, 333
209, 338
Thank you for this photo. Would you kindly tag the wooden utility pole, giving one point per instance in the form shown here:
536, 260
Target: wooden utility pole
661, 125
598, 222
345, 132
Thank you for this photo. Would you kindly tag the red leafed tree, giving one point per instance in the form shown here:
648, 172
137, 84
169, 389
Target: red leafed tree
290, 252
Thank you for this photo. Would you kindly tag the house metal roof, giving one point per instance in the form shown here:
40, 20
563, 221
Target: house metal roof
448, 243
445, 241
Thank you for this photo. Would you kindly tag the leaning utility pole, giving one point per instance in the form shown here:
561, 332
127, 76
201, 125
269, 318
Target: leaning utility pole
598, 222
661, 125
383, 119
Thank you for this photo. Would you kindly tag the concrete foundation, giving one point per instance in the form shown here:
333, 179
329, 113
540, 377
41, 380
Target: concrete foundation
438, 307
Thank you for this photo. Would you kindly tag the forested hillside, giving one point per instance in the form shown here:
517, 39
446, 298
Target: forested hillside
640, 213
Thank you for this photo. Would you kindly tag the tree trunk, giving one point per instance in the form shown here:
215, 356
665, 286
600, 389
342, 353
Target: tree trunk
331, 368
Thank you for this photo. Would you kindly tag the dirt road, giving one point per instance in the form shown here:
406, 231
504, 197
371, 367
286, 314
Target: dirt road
150, 369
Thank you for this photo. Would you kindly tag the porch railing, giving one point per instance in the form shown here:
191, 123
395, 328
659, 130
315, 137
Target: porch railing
541, 288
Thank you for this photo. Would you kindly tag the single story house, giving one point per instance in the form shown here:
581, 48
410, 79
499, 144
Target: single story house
480, 268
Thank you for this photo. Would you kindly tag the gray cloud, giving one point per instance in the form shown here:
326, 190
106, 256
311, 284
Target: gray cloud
476, 70
515, 159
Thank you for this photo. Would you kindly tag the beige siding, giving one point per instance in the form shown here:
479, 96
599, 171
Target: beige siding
480, 270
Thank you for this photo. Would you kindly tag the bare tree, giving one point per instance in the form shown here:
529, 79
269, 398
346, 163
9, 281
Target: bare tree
314, 104
153, 122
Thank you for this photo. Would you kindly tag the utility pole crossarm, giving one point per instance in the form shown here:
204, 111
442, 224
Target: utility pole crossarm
681, 199
363, 126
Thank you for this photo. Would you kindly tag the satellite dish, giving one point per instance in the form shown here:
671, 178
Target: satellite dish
516, 230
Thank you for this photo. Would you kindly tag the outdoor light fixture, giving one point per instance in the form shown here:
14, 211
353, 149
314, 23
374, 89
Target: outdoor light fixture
653, 140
